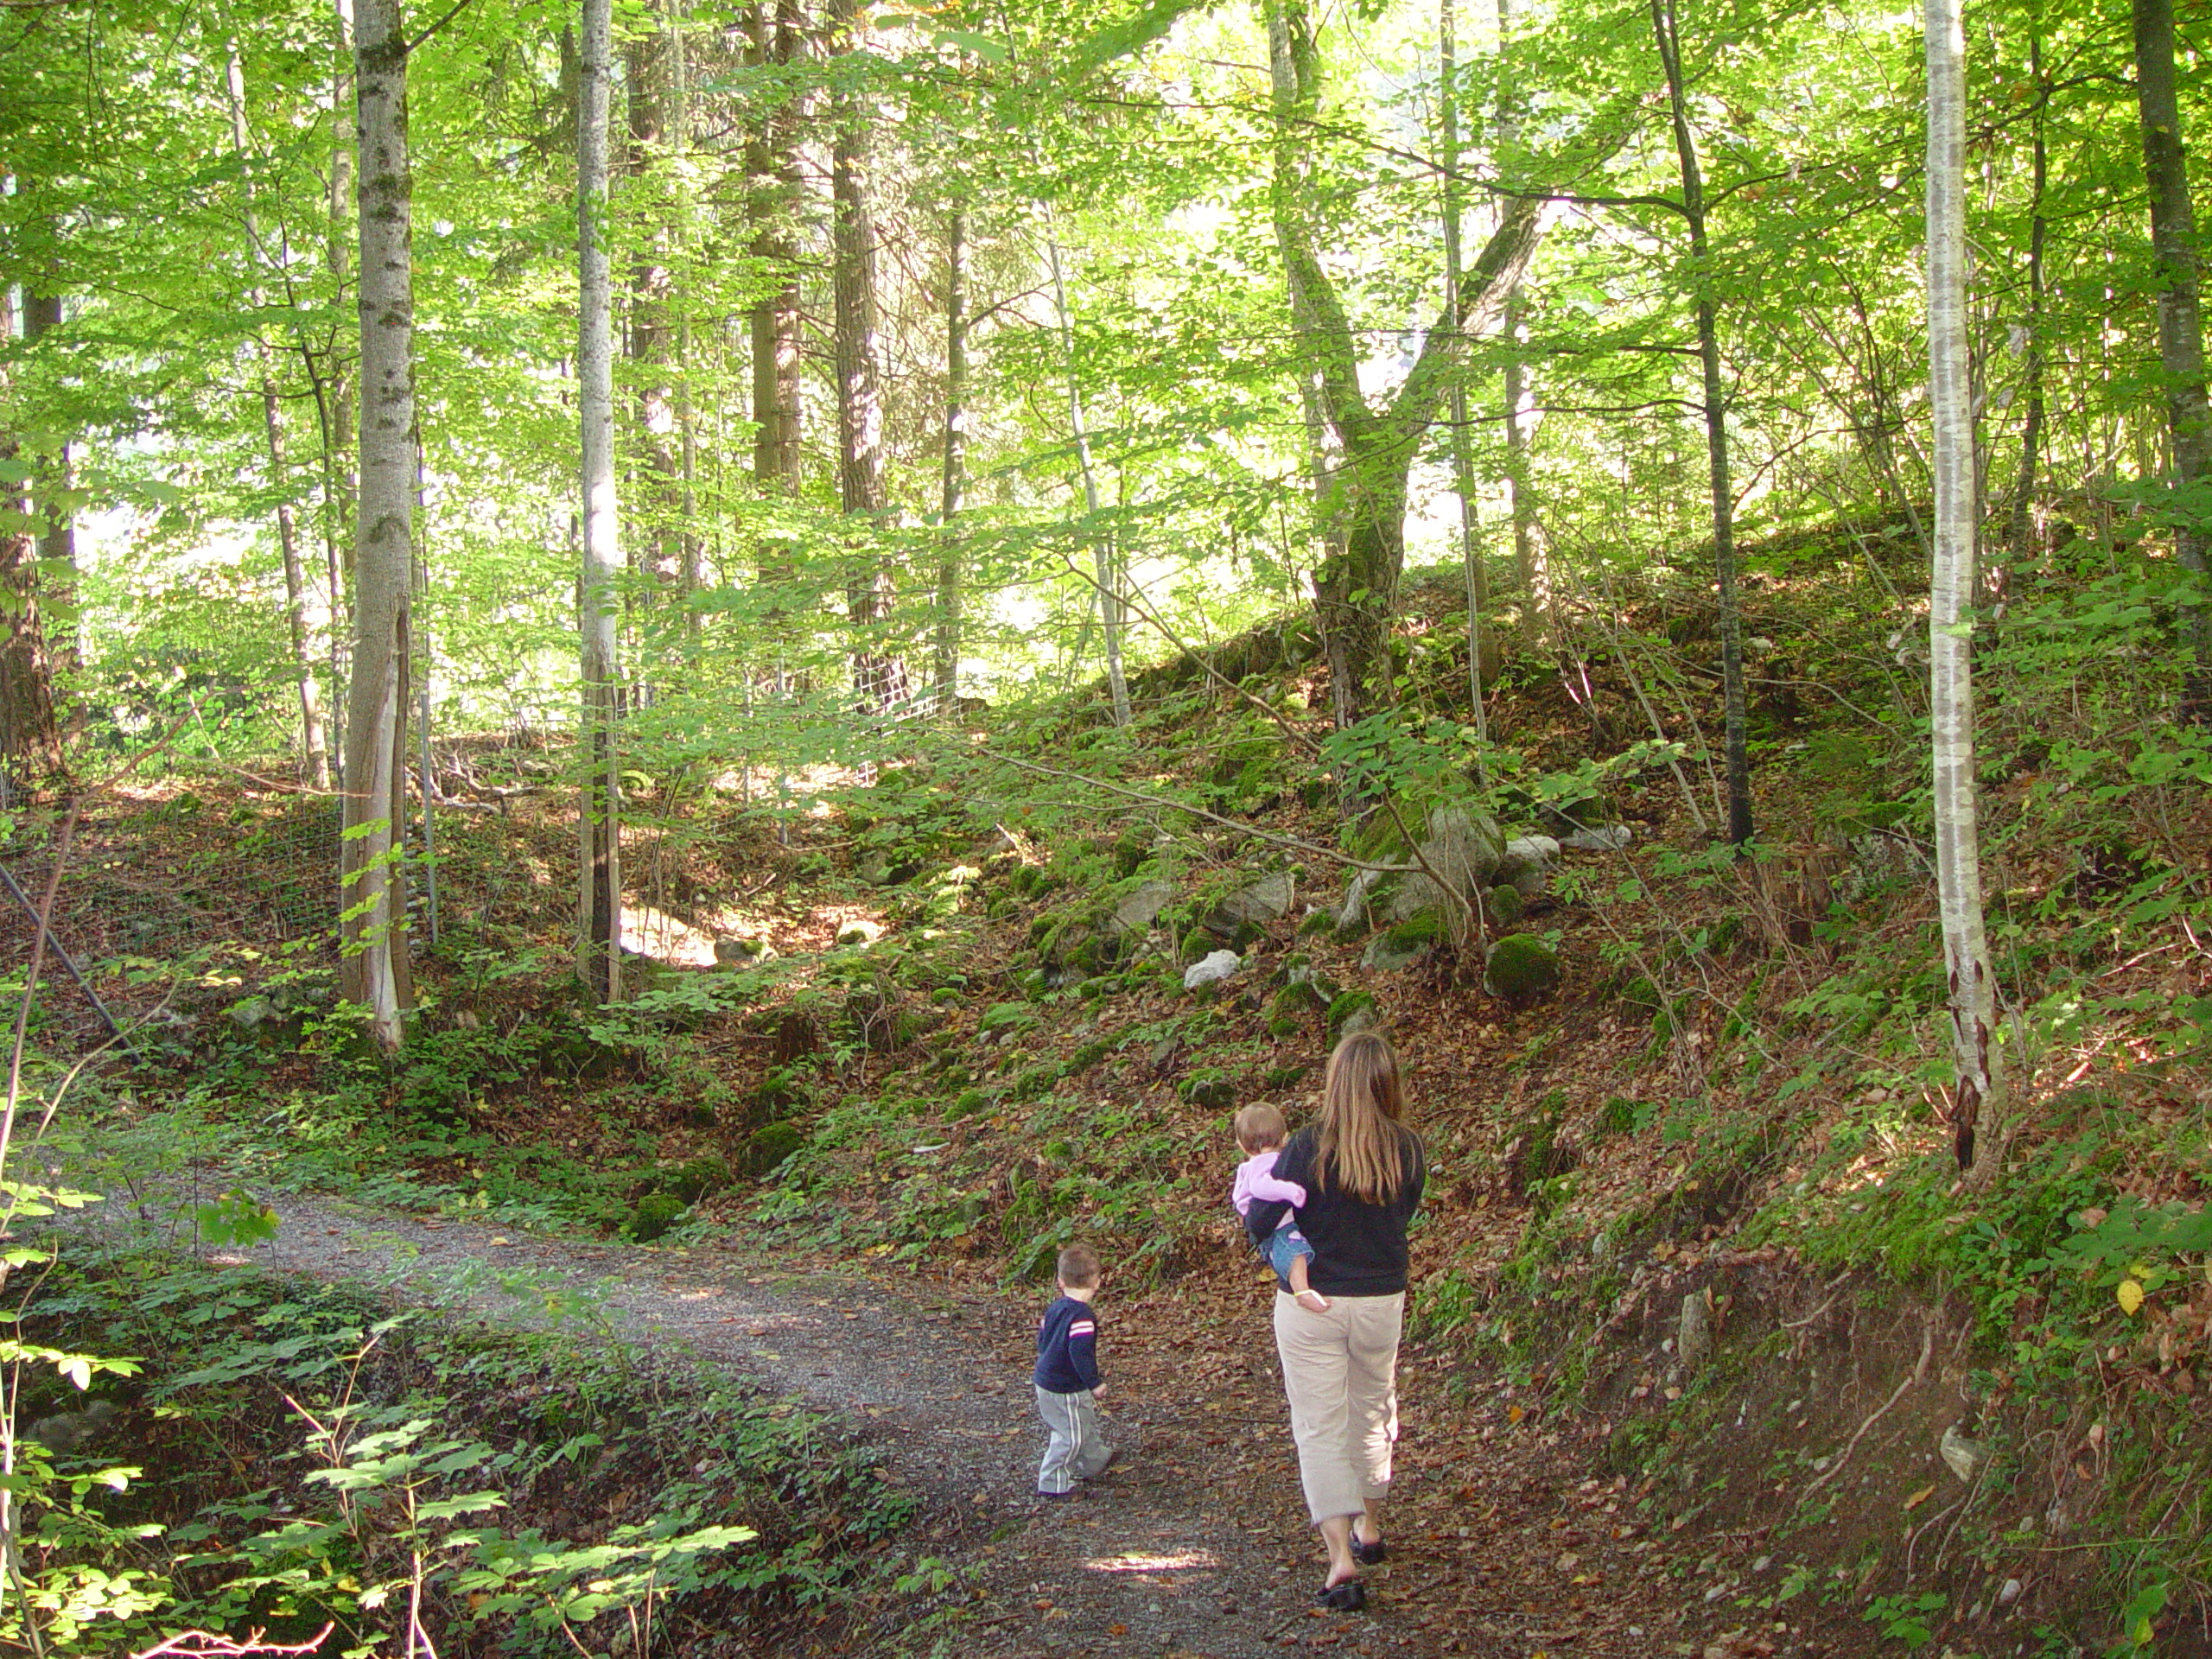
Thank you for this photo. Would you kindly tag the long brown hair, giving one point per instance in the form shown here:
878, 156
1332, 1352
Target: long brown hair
1356, 1139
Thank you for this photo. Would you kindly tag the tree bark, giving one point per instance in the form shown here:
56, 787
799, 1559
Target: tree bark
1978, 1102
373, 925
1105, 567
2181, 323
1735, 737
955, 497
1363, 455
879, 678
599, 907
313, 751
2022, 529
772, 166
1463, 466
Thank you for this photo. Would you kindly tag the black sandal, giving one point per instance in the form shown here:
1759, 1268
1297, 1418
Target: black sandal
1349, 1596
1370, 1554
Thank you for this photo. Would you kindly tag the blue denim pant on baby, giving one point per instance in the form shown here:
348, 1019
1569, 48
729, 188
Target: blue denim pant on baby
1286, 1245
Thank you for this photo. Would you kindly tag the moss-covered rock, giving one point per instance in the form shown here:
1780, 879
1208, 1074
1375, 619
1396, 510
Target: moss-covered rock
1403, 944
1209, 1090
656, 1213
1284, 1076
1345, 1009
1505, 905
694, 1178
1292, 1006
1520, 966
770, 1145
1317, 922
967, 1104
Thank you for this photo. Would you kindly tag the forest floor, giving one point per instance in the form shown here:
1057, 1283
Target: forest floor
1503, 1535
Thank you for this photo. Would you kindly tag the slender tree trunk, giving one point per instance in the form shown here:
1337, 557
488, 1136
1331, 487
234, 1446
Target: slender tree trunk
690, 545
600, 901
338, 451
1105, 567
1463, 466
1978, 1101
57, 542
878, 679
314, 753
1531, 568
650, 340
1716, 435
2022, 528
955, 463
772, 164
373, 924
2181, 323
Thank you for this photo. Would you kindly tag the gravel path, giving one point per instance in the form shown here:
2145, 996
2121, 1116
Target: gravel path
1141, 1562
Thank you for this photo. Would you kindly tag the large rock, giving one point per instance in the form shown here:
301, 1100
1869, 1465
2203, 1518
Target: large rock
1462, 848
1352, 912
1403, 944
1267, 900
1212, 970
1140, 909
1606, 838
1520, 966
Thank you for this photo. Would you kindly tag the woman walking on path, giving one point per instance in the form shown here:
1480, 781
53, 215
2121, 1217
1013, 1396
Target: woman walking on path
1363, 1171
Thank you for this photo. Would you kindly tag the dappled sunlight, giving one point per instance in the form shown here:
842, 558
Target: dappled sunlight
1142, 1561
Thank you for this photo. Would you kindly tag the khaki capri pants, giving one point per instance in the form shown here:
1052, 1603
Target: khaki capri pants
1339, 1368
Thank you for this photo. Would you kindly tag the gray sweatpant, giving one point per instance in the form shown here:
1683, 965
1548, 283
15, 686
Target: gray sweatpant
1078, 1448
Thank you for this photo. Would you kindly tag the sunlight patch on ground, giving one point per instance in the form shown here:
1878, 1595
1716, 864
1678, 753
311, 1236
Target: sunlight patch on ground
1137, 1562
665, 939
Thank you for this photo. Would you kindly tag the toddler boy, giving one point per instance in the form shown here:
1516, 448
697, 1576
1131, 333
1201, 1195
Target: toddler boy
1260, 1133
1067, 1380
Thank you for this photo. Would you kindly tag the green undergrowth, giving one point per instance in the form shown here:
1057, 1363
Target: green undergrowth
288, 1454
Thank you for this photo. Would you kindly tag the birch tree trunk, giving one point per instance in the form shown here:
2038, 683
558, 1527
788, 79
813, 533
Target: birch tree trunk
373, 922
344, 386
1978, 1116
599, 906
2181, 323
1735, 732
955, 463
315, 753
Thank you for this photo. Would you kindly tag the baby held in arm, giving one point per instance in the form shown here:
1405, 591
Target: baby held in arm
1259, 1133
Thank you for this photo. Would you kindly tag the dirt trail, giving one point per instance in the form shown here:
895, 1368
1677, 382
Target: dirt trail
1195, 1544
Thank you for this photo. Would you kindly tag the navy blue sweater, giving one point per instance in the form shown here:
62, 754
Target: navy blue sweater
1359, 1248
1067, 1347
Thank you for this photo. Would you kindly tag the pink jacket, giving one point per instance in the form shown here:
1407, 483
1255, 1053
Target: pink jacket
1255, 1178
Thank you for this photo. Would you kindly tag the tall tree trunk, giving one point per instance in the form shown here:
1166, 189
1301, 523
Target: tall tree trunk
1105, 567
2181, 323
955, 463
1531, 568
1463, 465
1978, 1104
690, 545
650, 345
374, 970
57, 542
773, 197
600, 901
1363, 455
878, 680
2022, 528
1735, 738
314, 753
341, 478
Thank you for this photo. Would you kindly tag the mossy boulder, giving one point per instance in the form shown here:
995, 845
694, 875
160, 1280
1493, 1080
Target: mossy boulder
967, 1103
1353, 1011
1209, 1090
695, 1177
656, 1213
770, 1145
1292, 1006
1403, 944
1520, 967
1505, 905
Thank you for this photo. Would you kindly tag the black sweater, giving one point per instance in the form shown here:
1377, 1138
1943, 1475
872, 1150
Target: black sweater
1359, 1248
